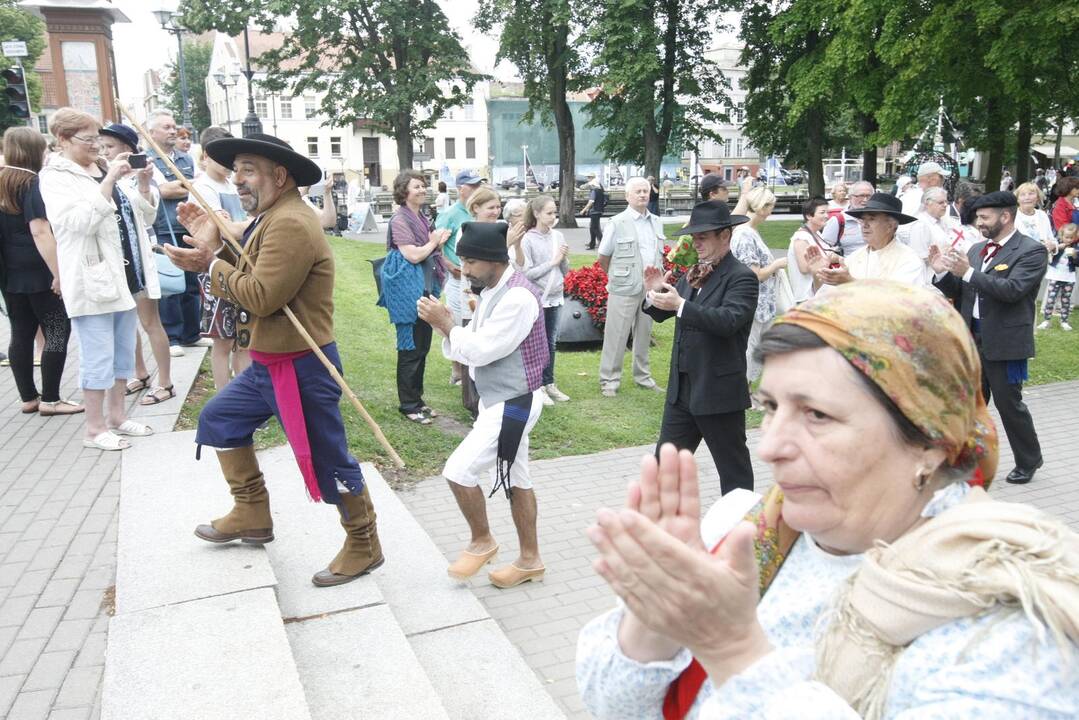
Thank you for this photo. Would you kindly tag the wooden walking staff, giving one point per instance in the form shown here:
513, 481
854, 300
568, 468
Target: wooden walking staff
234, 245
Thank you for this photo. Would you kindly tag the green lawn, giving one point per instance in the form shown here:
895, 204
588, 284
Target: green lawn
588, 423
776, 233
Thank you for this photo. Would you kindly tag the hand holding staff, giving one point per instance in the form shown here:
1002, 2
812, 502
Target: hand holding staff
229, 239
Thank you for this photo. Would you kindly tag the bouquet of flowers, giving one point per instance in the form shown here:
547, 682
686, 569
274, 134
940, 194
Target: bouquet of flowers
680, 258
588, 285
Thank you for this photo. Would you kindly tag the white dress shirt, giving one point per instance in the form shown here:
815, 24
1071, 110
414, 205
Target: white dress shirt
493, 336
986, 261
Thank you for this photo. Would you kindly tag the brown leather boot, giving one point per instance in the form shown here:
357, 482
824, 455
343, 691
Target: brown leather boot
249, 520
362, 551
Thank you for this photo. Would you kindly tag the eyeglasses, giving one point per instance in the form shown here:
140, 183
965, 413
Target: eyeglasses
863, 196
92, 140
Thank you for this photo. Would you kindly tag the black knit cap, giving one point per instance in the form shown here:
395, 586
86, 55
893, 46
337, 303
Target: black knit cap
483, 241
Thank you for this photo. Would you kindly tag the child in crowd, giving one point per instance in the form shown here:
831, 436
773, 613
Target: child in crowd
1061, 275
219, 316
545, 264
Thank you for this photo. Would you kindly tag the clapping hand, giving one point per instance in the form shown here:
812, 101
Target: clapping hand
652, 557
205, 239
439, 237
836, 273
435, 314
958, 263
655, 278
937, 260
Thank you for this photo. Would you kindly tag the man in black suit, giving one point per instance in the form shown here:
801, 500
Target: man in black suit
707, 395
996, 283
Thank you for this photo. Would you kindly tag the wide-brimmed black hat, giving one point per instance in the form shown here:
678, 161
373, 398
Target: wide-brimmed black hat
483, 241
123, 133
711, 215
302, 169
996, 199
885, 204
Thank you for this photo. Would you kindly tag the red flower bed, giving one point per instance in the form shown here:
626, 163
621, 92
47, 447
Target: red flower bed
588, 285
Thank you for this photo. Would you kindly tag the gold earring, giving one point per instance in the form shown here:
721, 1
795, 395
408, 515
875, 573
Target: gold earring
921, 480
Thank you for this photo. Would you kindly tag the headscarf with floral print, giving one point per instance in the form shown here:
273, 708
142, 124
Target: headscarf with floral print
916, 348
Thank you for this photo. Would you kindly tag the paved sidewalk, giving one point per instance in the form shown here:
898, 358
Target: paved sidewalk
58, 521
543, 619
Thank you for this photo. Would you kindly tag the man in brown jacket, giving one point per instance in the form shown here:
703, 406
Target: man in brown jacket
289, 262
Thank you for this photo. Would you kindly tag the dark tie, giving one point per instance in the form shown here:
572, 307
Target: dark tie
990, 251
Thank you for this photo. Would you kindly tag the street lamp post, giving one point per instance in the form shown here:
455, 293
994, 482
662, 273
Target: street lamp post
251, 123
168, 19
226, 83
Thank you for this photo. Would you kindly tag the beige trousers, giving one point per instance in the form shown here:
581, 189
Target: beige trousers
623, 315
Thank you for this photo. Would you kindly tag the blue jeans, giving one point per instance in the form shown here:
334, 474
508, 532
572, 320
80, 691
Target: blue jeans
550, 324
181, 314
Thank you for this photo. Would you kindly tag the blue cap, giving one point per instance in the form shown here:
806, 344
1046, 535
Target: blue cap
468, 177
122, 133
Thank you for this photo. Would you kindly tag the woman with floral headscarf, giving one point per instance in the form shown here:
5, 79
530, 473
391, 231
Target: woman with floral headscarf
877, 579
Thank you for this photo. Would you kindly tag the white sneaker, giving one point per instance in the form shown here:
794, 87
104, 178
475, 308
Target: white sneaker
203, 342
555, 394
176, 351
545, 397
1044, 324
1065, 326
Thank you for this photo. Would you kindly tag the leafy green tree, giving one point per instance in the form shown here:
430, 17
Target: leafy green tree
395, 65
16, 24
658, 92
196, 66
540, 37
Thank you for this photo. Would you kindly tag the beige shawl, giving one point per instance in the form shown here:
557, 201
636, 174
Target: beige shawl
972, 558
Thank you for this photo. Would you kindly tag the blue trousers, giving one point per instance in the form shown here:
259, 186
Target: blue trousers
181, 314
231, 417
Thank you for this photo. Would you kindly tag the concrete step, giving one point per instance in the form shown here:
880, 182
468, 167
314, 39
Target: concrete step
218, 658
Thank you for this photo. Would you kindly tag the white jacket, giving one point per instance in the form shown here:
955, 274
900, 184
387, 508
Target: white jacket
88, 251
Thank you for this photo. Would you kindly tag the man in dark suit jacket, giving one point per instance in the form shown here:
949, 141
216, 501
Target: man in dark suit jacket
707, 395
996, 283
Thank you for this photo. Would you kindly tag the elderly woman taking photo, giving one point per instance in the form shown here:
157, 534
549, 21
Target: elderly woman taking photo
413, 268
876, 579
97, 225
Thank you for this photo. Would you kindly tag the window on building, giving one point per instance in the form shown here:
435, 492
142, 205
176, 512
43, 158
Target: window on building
429, 147
451, 149
739, 114
312, 147
335, 146
469, 111
726, 148
286, 108
43, 124
739, 149
470, 148
309, 109
260, 108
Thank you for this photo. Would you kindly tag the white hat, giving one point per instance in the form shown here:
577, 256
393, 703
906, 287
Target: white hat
929, 168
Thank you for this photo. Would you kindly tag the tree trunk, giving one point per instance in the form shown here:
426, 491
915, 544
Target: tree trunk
402, 133
563, 122
869, 150
1022, 145
1060, 136
996, 132
653, 152
815, 151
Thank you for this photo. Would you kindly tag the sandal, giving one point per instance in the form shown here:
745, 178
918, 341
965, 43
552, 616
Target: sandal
137, 385
418, 417
428, 411
30, 406
132, 428
153, 397
106, 441
59, 407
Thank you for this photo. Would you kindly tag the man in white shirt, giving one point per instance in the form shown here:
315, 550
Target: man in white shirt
632, 241
505, 349
932, 227
997, 282
930, 174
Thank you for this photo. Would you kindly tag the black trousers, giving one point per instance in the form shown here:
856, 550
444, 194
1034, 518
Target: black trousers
724, 433
595, 234
411, 365
1014, 414
27, 312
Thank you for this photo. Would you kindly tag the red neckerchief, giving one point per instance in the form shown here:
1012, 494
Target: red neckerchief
987, 254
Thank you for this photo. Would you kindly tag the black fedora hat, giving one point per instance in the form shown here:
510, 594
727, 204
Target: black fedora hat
483, 241
711, 215
302, 169
885, 204
123, 133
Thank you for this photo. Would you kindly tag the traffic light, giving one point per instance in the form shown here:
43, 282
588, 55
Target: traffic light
17, 92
